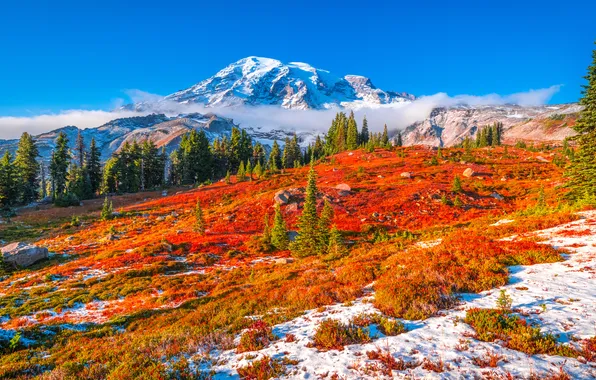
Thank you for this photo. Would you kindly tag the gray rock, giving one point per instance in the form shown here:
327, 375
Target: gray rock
343, 187
282, 197
284, 260
497, 196
23, 254
406, 175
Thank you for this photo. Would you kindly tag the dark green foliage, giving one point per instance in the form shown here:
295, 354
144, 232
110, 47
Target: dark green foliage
352, 140
456, 186
324, 226
385, 137
94, 167
582, 172
27, 169
275, 163
279, 233
307, 241
8, 181
399, 140
364, 132
241, 174
336, 248
59, 166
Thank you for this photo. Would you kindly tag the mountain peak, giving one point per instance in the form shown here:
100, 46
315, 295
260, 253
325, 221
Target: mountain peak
298, 85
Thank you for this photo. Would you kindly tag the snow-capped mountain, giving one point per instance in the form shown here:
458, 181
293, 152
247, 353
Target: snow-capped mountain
295, 85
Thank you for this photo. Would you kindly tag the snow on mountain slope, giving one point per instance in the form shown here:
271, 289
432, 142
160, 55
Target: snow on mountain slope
296, 85
559, 297
449, 126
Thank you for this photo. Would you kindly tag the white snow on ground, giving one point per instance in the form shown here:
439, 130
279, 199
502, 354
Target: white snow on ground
566, 289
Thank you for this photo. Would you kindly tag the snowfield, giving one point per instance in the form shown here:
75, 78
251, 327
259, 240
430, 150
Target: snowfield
560, 297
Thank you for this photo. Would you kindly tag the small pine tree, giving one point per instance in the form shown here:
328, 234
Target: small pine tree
325, 226
228, 180
456, 186
439, 154
107, 209
279, 233
241, 174
457, 202
307, 241
258, 170
504, 302
336, 248
434, 161
541, 198
249, 170
199, 219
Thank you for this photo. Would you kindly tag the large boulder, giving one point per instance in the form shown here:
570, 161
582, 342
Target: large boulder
23, 254
282, 197
468, 172
344, 189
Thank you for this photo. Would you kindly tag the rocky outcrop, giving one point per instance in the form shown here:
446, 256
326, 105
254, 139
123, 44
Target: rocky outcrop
469, 172
23, 254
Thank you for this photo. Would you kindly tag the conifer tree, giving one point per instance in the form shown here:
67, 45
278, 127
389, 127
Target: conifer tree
258, 170
241, 174
27, 169
336, 248
199, 219
457, 202
228, 180
385, 137
107, 209
80, 150
275, 158
306, 243
352, 134
364, 132
279, 233
94, 167
8, 181
59, 166
324, 226
456, 186
399, 141
582, 171
249, 170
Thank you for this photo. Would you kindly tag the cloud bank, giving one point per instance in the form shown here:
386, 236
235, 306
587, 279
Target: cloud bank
396, 116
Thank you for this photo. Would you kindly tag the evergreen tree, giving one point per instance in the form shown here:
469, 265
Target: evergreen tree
275, 158
241, 174
258, 170
27, 169
306, 243
228, 180
385, 137
8, 181
199, 219
94, 167
249, 170
399, 141
364, 132
352, 140
325, 225
279, 233
582, 171
266, 237
80, 150
457, 202
456, 186
59, 166
107, 209
336, 248
111, 176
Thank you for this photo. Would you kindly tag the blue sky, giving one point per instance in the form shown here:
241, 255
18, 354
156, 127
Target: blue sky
83, 55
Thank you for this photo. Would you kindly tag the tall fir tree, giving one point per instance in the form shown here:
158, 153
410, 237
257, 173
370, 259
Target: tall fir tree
364, 132
336, 248
275, 158
352, 140
324, 226
399, 140
385, 137
582, 171
80, 150
94, 167
8, 181
27, 169
306, 243
59, 166
279, 233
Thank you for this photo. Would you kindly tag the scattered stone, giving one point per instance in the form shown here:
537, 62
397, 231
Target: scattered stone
344, 187
70, 238
292, 235
174, 214
23, 254
469, 172
164, 193
406, 175
284, 260
292, 207
541, 159
503, 178
160, 219
497, 196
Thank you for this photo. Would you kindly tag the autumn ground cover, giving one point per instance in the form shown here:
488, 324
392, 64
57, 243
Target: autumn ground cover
144, 294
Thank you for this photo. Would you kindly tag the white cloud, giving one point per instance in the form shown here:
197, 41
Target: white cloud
398, 115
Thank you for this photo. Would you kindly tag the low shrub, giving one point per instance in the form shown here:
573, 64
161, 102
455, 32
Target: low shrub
332, 334
257, 337
262, 369
515, 332
389, 363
